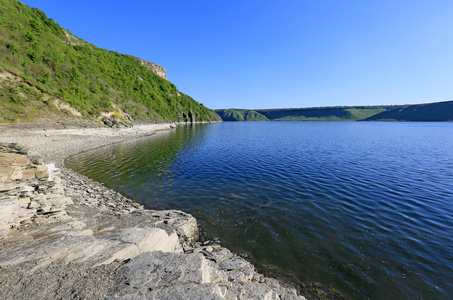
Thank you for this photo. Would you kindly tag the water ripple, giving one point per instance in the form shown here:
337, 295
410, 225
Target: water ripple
366, 208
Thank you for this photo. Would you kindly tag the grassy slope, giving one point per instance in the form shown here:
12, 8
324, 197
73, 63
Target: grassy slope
440, 111
321, 113
302, 114
49, 63
240, 115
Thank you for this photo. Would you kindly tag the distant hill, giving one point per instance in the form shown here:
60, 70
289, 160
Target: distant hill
341, 113
439, 111
240, 115
47, 72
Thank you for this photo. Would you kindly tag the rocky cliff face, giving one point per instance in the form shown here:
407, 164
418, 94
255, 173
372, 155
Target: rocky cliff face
29, 190
159, 70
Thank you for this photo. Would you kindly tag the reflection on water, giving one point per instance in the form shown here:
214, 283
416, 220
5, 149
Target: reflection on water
365, 208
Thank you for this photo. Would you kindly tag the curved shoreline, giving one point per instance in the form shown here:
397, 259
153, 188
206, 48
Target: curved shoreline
221, 275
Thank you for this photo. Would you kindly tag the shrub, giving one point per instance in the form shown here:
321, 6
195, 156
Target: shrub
45, 78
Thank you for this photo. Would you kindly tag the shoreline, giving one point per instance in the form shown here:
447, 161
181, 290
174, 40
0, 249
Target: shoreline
128, 235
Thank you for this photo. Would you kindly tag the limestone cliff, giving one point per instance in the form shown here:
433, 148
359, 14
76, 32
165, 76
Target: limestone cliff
159, 70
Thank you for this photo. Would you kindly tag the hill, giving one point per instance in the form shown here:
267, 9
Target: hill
439, 111
240, 115
45, 72
340, 113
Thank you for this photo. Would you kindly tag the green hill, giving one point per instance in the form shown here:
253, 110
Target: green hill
45, 71
439, 111
240, 115
340, 113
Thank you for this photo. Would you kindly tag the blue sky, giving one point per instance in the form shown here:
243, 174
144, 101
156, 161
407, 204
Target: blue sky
274, 54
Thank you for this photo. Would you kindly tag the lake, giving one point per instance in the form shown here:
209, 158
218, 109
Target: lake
365, 208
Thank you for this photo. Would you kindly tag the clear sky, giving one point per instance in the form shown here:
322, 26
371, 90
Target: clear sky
275, 54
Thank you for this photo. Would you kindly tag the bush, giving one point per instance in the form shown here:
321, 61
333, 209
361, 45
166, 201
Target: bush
30, 37
45, 78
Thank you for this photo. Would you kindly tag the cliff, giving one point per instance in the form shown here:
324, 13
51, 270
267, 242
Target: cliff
158, 70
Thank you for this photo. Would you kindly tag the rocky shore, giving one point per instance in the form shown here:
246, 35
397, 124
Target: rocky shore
64, 236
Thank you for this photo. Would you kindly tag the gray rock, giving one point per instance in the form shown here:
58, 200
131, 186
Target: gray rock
164, 275
156, 270
13, 148
35, 159
28, 193
202, 291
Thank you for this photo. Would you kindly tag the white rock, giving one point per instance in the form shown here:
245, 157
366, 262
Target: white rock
8, 213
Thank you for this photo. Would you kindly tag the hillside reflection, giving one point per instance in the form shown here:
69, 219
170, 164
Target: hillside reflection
154, 159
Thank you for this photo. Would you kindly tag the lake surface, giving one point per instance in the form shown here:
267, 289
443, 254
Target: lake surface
362, 207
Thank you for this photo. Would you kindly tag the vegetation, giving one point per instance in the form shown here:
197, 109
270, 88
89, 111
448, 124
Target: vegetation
240, 115
339, 113
440, 111
41, 62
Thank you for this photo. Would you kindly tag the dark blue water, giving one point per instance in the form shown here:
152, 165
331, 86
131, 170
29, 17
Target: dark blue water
364, 208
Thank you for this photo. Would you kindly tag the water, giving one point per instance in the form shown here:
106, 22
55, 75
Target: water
365, 208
